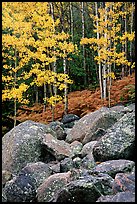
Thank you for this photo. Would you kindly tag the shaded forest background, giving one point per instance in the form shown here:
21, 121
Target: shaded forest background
64, 48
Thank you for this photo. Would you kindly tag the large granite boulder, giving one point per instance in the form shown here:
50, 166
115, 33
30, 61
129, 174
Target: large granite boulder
92, 126
38, 172
124, 182
31, 142
86, 189
112, 167
118, 142
58, 148
51, 185
20, 189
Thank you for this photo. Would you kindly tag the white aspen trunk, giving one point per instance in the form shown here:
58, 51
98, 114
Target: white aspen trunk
100, 70
83, 35
109, 65
71, 22
105, 68
66, 89
131, 30
45, 96
54, 63
15, 100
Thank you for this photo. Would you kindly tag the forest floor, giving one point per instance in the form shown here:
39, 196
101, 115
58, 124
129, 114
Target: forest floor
81, 102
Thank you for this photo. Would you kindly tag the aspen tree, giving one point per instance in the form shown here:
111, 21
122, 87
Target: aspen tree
100, 69
83, 47
108, 29
131, 30
14, 41
71, 21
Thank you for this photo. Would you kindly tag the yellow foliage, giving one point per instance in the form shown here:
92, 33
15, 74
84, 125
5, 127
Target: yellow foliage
110, 74
53, 99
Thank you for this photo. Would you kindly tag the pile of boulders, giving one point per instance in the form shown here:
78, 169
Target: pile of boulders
88, 159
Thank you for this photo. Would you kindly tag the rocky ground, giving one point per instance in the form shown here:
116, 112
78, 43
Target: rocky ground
87, 159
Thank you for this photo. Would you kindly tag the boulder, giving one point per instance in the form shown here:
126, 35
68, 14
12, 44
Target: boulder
124, 182
88, 162
31, 142
38, 172
112, 167
6, 176
118, 142
69, 120
87, 148
93, 126
85, 129
58, 148
86, 189
119, 197
77, 162
20, 189
66, 165
22, 145
54, 166
51, 185
76, 147
58, 127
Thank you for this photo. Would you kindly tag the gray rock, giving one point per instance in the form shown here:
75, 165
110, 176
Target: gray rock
4, 198
86, 189
93, 126
66, 165
69, 118
6, 176
51, 185
118, 142
58, 127
119, 197
124, 182
87, 126
87, 148
58, 148
54, 166
112, 167
77, 162
76, 147
38, 172
131, 107
88, 162
22, 145
20, 189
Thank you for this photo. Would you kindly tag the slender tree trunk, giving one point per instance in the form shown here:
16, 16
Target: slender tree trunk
45, 97
100, 70
37, 95
15, 100
83, 35
126, 39
71, 22
131, 43
105, 66
54, 63
66, 89
64, 66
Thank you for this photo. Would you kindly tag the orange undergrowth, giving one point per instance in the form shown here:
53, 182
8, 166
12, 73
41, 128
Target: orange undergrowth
79, 103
